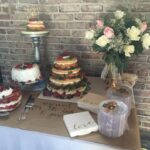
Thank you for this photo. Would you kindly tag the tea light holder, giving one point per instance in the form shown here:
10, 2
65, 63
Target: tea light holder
112, 118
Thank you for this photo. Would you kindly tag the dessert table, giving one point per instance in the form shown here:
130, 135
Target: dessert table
44, 128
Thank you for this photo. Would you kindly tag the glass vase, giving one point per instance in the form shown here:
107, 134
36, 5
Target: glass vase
111, 75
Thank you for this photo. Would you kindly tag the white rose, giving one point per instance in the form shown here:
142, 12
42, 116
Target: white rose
146, 40
89, 34
129, 49
133, 33
119, 14
102, 41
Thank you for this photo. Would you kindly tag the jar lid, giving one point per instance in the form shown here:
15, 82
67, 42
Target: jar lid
113, 107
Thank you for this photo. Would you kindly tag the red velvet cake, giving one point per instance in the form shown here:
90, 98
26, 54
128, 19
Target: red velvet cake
10, 98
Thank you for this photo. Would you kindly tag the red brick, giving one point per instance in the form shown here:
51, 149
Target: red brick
4, 17
2, 31
143, 112
63, 16
91, 8
69, 8
78, 33
85, 16
144, 129
70, 1
141, 8
91, 55
49, 1
77, 25
146, 124
59, 32
139, 86
144, 93
92, 1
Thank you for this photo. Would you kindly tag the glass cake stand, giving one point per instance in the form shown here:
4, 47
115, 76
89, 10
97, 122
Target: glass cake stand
33, 86
36, 38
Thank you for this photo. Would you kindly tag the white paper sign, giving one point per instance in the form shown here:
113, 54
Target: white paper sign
80, 123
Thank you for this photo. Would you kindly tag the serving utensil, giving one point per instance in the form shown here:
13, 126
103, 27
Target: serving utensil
4, 115
29, 104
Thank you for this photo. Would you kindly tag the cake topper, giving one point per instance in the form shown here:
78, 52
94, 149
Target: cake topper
32, 12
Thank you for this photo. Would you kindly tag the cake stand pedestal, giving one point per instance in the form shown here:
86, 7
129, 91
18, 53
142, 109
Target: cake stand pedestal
36, 38
37, 86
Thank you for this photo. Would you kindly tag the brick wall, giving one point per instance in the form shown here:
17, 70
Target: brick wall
67, 21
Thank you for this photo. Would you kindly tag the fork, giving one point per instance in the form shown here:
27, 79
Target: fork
29, 104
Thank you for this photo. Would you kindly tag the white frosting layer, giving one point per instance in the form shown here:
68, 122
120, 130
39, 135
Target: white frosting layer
73, 71
6, 92
65, 82
12, 102
26, 75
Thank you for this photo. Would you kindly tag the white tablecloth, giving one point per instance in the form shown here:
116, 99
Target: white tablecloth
18, 139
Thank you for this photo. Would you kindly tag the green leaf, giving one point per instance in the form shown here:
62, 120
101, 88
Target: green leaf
117, 59
138, 47
129, 21
98, 48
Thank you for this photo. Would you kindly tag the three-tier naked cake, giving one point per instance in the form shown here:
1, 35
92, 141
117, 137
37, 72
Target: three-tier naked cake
66, 80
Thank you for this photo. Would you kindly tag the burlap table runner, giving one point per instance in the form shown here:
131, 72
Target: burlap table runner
47, 116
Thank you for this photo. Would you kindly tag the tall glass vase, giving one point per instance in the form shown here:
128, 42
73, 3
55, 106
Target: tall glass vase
111, 75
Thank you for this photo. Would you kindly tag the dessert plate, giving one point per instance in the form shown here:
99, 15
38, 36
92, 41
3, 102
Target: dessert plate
35, 33
31, 82
3, 114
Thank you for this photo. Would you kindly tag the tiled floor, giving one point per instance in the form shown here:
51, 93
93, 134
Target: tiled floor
145, 140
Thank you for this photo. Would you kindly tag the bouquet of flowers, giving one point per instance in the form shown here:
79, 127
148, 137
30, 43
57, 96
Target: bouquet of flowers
119, 38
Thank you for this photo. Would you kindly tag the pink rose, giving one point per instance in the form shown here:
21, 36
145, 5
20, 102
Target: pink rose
108, 32
99, 23
143, 26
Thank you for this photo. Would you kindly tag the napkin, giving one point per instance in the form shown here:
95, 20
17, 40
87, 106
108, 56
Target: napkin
80, 123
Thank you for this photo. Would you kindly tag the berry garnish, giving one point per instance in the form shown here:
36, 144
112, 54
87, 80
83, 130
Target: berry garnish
24, 66
59, 58
17, 66
28, 65
78, 94
33, 19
